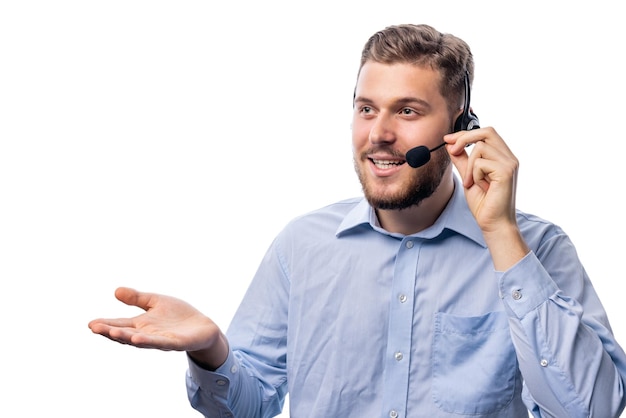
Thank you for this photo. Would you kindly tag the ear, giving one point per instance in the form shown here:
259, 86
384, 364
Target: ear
459, 121
458, 116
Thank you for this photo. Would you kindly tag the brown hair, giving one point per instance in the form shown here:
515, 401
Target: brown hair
425, 46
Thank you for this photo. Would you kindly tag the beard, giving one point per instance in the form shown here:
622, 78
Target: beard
421, 185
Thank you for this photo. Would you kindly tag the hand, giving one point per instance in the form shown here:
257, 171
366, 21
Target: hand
489, 176
167, 324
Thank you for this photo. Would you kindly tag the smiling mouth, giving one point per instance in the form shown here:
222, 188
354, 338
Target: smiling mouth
384, 164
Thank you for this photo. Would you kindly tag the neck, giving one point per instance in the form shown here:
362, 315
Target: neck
417, 218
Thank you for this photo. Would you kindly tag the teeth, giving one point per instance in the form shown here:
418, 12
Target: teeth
386, 163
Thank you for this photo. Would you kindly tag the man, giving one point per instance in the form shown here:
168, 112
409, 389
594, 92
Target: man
432, 296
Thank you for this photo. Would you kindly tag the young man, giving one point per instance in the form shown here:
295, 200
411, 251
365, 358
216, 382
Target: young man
432, 296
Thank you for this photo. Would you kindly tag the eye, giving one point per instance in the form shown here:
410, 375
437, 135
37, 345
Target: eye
407, 111
366, 112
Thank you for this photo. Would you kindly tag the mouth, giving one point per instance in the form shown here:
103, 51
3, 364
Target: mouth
386, 164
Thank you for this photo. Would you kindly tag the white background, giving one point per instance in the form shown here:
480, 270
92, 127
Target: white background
162, 145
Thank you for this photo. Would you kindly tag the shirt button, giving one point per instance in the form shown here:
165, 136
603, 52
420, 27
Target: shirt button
402, 298
393, 413
409, 244
221, 382
517, 295
398, 356
233, 369
543, 362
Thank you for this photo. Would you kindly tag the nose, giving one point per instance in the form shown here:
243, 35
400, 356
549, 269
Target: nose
382, 131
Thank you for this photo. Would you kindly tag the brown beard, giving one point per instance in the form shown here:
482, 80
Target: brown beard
422, 184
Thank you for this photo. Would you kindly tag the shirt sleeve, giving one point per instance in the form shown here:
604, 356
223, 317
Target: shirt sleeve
570, 361
230, 391
208, 391
252, 383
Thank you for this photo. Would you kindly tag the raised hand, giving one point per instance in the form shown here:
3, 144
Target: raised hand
489, 174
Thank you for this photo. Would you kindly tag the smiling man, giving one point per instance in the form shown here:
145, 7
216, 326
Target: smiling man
429, 296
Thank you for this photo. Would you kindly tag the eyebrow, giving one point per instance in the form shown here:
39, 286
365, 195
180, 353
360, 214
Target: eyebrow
400, 101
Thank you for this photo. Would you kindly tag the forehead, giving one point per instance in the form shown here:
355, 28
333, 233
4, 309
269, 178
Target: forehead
378, 81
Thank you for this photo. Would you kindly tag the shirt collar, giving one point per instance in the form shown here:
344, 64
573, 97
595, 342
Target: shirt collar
455, 217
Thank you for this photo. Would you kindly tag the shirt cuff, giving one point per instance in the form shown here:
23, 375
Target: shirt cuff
525, 286
219, 381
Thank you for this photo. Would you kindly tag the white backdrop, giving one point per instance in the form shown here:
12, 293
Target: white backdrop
162, 145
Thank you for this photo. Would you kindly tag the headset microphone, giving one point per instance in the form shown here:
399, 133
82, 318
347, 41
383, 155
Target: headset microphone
418, 156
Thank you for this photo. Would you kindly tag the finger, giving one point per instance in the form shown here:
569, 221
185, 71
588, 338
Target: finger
110, 328
140, 339
463, 160
481, 170
107, 323
474, 173
133, 297
452, 139
463, 139
495, 158
155, 341
460, 140
460, 161
129, 336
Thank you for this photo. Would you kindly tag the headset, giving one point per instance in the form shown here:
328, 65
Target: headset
466, 120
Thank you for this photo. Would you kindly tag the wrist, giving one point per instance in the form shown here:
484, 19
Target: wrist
211, 358
506, 245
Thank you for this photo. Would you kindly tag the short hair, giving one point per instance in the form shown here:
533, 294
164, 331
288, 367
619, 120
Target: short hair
423, 45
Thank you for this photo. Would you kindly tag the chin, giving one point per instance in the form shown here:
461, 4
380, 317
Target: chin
389, 200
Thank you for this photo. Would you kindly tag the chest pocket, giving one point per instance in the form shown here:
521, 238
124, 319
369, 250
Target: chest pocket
474, 365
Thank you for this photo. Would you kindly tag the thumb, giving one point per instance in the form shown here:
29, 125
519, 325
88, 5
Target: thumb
132, 297
460, 161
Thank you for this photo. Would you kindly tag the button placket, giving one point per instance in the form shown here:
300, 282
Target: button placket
401, 313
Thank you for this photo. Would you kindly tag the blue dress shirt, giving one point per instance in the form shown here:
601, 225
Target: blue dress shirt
354, 321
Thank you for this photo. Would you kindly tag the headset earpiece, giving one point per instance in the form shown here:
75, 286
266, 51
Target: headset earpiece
468, 119
466, 122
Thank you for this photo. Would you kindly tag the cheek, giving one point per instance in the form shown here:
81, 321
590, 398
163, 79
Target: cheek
360, 134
